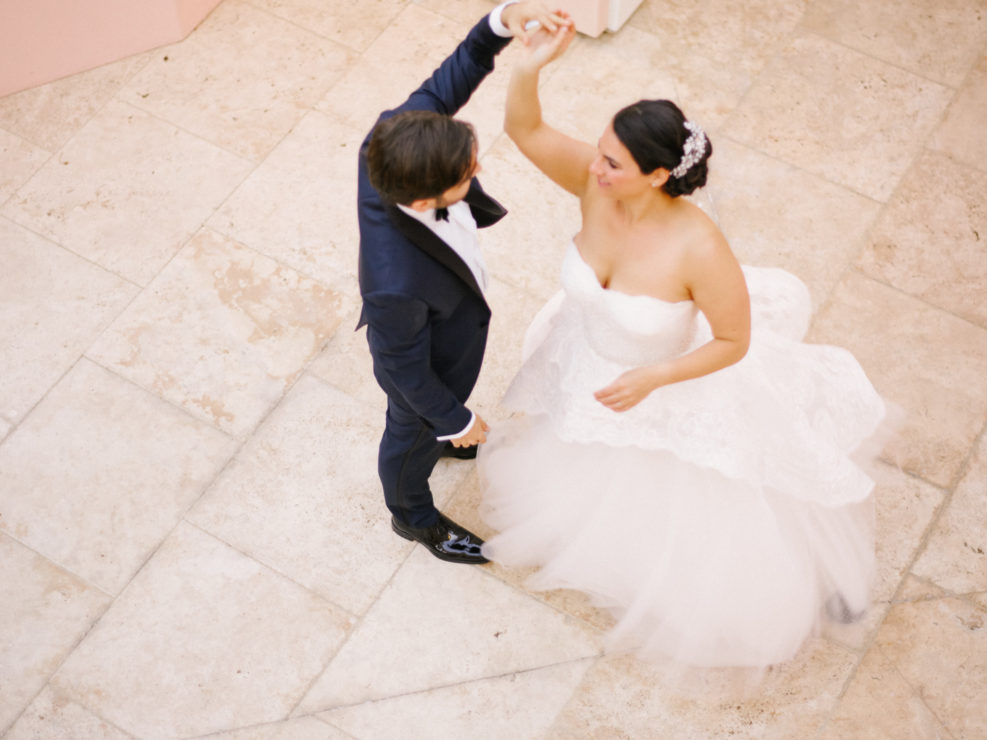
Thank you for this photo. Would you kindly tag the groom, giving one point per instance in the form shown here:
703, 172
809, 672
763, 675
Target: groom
422, 278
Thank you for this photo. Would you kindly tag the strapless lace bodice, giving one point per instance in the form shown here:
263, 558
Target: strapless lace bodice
805, 405
630, 329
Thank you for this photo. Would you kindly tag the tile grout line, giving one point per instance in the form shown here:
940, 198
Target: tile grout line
916, 692
343, 44
272, 568
907, 571
51, 676
342, 645
467, 682
894, 65
97, 110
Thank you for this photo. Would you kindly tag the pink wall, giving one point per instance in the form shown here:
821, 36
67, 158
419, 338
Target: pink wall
42, 40
590, 16
593, 17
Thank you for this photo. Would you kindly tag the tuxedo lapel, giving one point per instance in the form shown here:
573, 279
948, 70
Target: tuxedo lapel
426, 240
486, 211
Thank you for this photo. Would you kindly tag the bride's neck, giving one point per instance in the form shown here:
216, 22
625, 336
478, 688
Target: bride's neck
651, 204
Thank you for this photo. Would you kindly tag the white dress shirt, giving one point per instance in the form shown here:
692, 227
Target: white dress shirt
459, 232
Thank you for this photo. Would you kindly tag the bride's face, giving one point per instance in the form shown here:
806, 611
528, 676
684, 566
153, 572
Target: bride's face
617, 174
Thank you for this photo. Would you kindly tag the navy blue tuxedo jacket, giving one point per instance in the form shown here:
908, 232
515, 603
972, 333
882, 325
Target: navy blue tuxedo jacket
426, 317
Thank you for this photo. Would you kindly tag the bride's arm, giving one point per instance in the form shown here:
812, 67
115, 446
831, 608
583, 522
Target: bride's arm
564, 159
718, 289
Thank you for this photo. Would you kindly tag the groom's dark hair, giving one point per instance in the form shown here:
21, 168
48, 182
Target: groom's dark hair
419, 154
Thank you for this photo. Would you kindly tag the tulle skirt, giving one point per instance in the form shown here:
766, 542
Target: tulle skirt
696, 567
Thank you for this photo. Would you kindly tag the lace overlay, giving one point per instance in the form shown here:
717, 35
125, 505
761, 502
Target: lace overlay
786, 416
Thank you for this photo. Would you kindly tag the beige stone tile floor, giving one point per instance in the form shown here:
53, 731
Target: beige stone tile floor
192, 540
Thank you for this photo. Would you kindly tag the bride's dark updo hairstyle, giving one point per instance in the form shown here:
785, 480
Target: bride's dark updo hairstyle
654, 133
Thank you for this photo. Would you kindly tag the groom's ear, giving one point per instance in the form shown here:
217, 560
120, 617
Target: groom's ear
422, 204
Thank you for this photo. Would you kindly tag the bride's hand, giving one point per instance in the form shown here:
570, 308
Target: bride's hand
545, 45
629, 389
519, 16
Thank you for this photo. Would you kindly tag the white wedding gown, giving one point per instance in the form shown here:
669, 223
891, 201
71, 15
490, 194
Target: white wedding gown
715, 518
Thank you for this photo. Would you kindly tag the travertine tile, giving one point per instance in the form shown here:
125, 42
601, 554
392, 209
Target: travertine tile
519, 705
52, 715
346, 364
840, 114
513, 309
777, 215
222, 332
21, 159
917, 589
355, 25
470, 626
928, 362
44, 611
303, 496
52, 306
88, 485
49, 115
940, 648
879, 704
299, 206
127, 191
464, 11
394, 65
936, 40
625, 698
525, 248
961, 134
405, 55
931, 240
904, 508
204, 639
822, 147
242, 80
485, 109
745, 36
305, 728
630, 65
955, 556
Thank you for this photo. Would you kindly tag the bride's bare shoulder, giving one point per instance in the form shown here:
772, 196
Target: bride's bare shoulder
700, 234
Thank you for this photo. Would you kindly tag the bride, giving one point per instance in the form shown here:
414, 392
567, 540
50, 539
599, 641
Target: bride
676, 451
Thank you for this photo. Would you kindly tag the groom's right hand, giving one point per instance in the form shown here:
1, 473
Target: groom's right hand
476, 435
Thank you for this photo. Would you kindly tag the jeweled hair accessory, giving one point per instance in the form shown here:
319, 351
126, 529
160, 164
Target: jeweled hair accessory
693, 149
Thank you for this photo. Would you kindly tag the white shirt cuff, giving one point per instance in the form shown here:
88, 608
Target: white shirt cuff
496, 25
469, 426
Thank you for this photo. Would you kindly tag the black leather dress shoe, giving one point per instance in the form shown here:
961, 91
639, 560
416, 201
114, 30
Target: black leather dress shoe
459, 453
445, 539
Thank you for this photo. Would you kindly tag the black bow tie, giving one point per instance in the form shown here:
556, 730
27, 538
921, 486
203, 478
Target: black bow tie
441, 214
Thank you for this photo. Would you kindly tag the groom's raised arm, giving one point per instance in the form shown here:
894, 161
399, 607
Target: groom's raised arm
454, 81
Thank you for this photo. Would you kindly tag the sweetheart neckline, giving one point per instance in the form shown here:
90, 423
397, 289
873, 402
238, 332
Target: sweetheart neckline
622, 294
